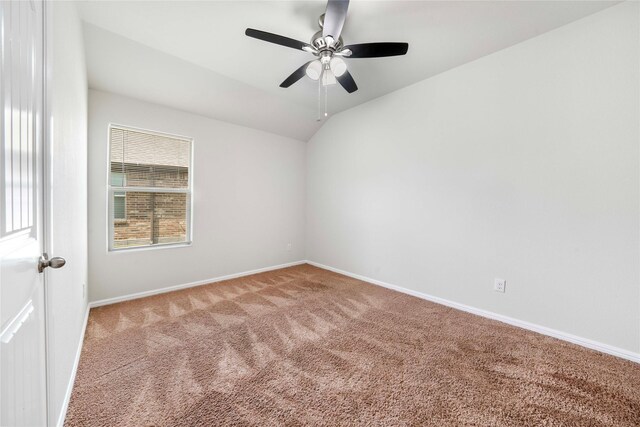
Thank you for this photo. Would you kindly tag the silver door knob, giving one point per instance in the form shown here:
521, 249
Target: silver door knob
55, 262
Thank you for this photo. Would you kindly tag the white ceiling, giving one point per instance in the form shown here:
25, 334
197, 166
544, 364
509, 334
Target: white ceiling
194, 55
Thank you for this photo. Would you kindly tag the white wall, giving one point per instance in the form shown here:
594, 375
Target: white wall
67, 236
248, 191
522, 165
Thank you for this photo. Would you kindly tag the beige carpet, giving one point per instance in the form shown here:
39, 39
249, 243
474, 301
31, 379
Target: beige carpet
304, 346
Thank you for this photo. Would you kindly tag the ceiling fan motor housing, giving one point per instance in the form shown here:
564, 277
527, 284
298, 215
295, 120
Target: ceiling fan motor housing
326, 44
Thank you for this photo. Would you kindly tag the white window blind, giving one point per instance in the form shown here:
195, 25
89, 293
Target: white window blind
149, 188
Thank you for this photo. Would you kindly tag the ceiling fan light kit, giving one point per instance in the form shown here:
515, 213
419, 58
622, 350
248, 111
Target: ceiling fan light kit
327, 45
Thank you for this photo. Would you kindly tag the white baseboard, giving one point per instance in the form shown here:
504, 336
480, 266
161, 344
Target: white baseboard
190, 285
584, 342
72, 379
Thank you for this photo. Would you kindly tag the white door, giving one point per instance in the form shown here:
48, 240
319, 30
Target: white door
22, 339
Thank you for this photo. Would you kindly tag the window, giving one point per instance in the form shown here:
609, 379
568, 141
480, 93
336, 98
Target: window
149, 189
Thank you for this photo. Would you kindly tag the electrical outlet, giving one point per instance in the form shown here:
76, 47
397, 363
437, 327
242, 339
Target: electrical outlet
500, 285
84, 290
288, 246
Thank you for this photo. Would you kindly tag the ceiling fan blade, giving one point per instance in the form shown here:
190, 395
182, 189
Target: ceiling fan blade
347, 82
276, 39
295, 76
334, 18
377, 50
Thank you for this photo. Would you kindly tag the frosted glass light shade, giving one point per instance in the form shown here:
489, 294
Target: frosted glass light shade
338, 66
328, 78
314, 70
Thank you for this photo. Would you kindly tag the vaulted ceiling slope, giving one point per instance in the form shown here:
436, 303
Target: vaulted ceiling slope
194, 56
119, 65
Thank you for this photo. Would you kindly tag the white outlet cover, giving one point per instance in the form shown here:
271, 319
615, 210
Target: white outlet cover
500, 285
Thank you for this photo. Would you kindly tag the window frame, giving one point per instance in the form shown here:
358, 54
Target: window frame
188, 191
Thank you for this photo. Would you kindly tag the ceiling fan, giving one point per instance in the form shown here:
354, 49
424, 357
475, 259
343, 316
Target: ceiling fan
328, 47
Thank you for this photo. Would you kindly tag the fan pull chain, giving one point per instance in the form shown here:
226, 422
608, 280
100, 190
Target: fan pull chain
326, 93
319, 118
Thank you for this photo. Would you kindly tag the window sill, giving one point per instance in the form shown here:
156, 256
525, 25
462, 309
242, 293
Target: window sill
150, 247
